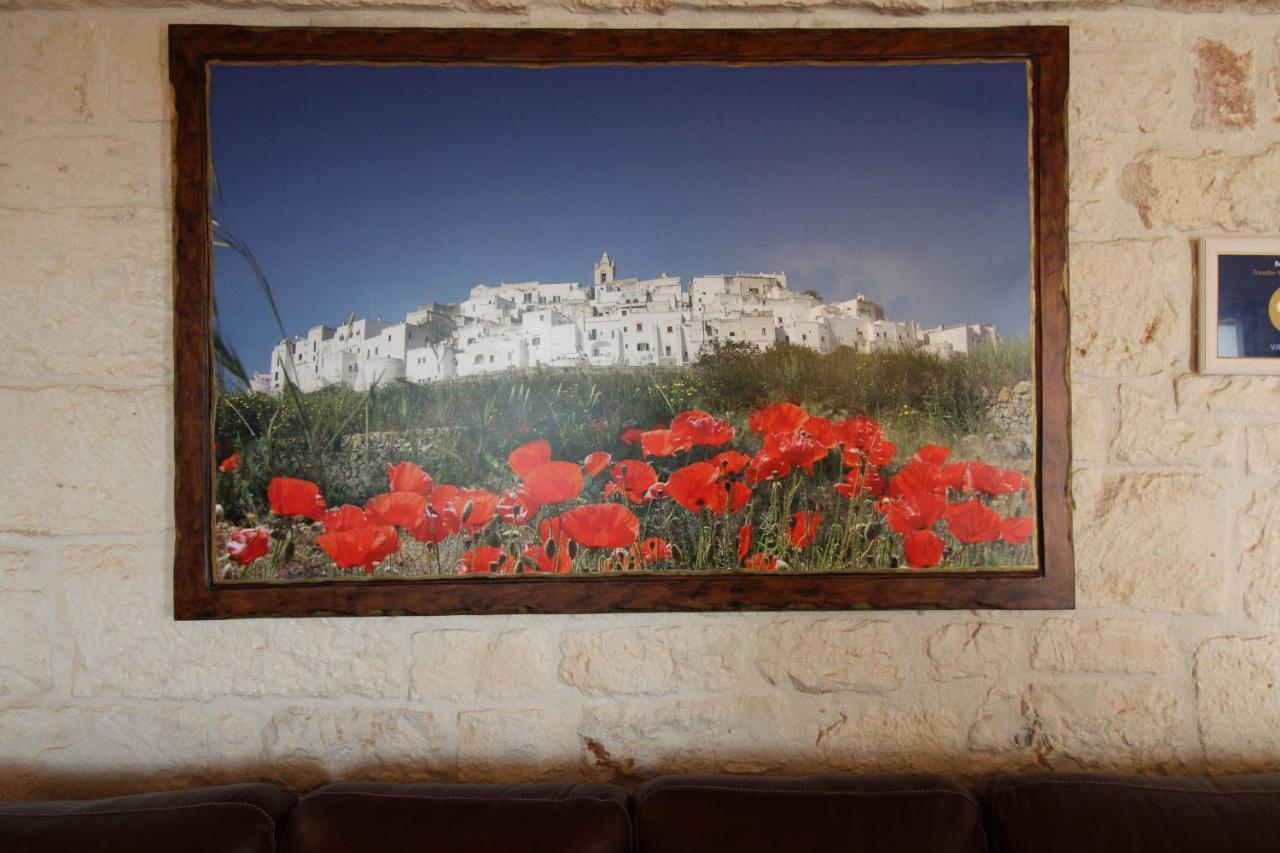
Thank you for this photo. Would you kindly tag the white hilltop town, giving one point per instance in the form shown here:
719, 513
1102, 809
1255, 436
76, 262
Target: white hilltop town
610, 322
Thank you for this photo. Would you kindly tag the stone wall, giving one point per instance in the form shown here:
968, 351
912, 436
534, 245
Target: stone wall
1171, 662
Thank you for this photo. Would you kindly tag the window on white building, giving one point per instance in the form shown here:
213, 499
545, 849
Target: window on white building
535, 340
642, 347
669, 330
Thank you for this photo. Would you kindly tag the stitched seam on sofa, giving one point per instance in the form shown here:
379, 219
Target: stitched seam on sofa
453, 798
1132, 785
258, 809
822, 793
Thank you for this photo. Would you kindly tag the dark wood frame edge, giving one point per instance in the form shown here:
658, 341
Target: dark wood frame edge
191, 47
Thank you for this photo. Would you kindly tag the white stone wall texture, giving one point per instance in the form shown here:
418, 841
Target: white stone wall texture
1170, 664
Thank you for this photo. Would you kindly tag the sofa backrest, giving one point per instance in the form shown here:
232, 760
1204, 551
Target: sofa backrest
394, 818
1072, 812
227, 819
814, 814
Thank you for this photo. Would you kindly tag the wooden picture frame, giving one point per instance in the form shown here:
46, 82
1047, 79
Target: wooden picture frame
1044, 50
1252, 300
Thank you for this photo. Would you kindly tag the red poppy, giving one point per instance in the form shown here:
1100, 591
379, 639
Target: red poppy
803, 528
864, 441
295, 497
231, 463
934, 454
475, 507
744, 541
697, 487
777, 417
698, 427
973, 521
1014, 481
765, 467
915, 511
398, 509
761, 563
514, 508
632, 435
551, 483
730, 461
601, 525
363, 547
656, 492
739, 494
487, 560
408, 477
528, 456
795, 448
246, 544
922, 548
442, 496
1017, 529
633, 478
664, 442
916, 476
652, 550
596, 462
553, 553
345, 517
974, 477
856, 483
437, 525
822, 431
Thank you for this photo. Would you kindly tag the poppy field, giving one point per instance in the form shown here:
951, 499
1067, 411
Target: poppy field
776, 486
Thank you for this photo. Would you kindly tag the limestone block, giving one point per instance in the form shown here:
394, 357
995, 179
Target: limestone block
653, 661
1092, 407
1142, 85
85, 752
140, 61
1111, 725
1228, 395
1224, 88
62, 169
308, 747
463, 666
51, 66
26, 648
969, 650
831, 654
1237, 684
886, 738
1103, 645
1260, 556
1128, 300
525, 745
116, 607
21, 570
1263, 443
1150, 541
85, 460
1151, 433
732, 734
89, 293
1205, 190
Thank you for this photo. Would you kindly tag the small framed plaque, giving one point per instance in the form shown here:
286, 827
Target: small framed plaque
1240, 305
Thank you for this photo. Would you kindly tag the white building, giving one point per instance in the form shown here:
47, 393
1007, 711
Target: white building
612, 321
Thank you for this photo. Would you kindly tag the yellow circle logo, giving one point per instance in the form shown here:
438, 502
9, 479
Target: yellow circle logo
1273, 308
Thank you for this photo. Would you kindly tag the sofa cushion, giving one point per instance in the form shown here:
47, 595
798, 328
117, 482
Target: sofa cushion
814, 814
462, 819
1070, 812
227, 819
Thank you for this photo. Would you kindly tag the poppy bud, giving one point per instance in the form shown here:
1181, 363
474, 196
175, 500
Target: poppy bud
573, 549
550, 549
467, 508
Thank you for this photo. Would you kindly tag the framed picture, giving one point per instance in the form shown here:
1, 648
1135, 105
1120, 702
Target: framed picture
493, 321
1239, 305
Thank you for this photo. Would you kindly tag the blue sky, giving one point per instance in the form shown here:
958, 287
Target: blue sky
374, 189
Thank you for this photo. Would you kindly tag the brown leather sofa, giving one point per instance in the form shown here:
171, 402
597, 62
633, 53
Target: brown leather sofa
1045, 813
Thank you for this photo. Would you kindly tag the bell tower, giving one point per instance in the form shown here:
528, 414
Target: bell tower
605, 270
